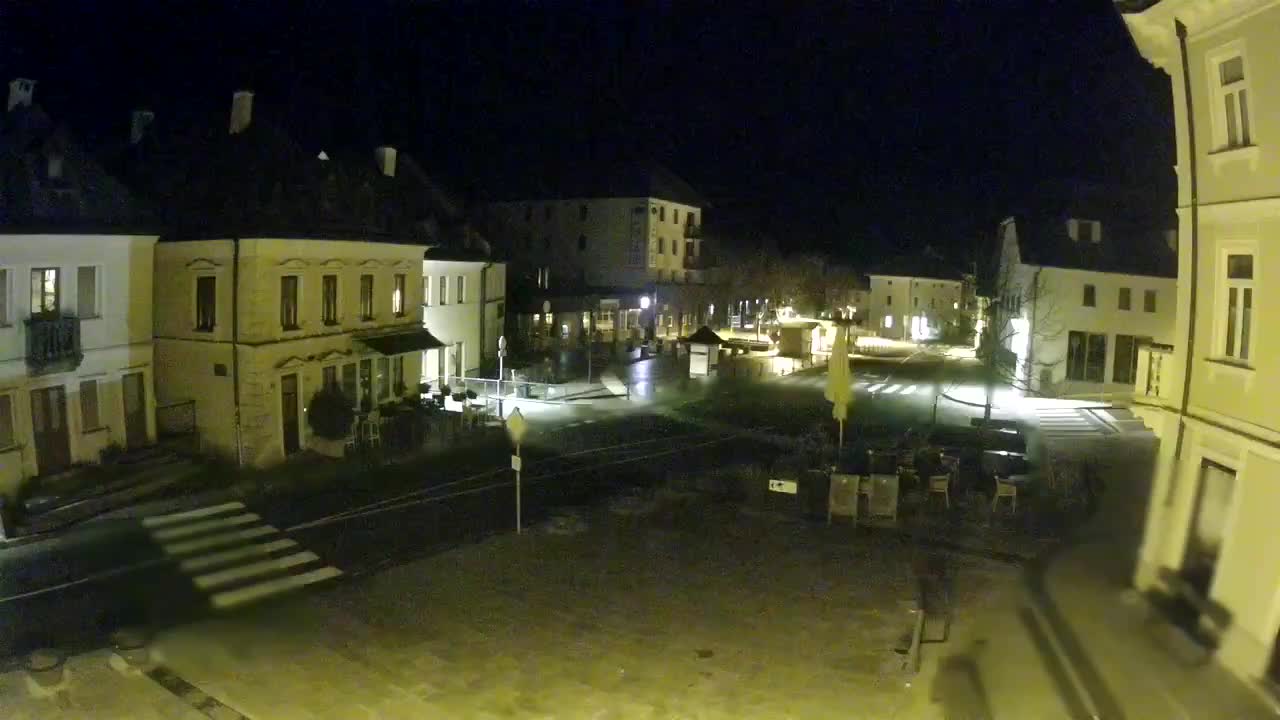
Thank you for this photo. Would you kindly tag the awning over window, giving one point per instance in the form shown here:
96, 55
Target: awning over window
397, 343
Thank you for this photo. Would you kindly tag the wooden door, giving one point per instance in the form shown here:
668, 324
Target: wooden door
135, 410
49, 425
289, 413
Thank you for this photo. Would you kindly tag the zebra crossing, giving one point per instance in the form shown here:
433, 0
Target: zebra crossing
1060, 423
872, 384
232, 556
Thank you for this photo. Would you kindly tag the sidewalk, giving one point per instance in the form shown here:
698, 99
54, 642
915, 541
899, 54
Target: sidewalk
1072, 639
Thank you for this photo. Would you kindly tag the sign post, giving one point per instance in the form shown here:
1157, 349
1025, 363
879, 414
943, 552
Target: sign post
502, 352
516, 428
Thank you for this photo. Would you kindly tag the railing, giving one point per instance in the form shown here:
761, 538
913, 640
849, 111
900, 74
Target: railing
693, 232
1155, 378
53, 343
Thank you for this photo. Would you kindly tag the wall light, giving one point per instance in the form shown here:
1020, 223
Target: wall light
644, 302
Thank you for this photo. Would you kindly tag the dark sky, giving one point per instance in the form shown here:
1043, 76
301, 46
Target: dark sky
859, 128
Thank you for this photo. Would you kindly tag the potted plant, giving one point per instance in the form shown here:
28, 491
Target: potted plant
330, 416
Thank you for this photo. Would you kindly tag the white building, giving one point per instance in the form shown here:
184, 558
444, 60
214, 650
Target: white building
75, 304
464, 306
1079, 301
1210, 535
914, 298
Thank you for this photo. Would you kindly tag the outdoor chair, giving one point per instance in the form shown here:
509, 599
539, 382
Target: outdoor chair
941, 484
371, 430
1005, 489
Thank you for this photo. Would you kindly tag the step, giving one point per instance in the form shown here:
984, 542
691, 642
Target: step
259, 591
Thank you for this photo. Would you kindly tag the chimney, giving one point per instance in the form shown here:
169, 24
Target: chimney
241, 111
20, 90
139, 124
386, 159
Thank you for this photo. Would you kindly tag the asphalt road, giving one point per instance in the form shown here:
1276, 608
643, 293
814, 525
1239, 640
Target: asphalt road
72, 591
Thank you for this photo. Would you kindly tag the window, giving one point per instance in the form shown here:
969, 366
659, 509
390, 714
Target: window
1086, 356
1084, 231
6, 421
1232, 126
366, 297
459, 359
397, 375
675, 216
1090, 295
366, 384
1239, 324
397, 295
46, 291
329, 377
1125, 366
329, 299
384, 378
4, 297
206, 303
915, 301
662, 246
582, 212
888, 300
1126, 299
89, 419
688, 248
426, 290
461, 289
888, 321
349, 382
444, 290
87, 291
1208, 525
1149, 301
289, 302
662, 213
582, 243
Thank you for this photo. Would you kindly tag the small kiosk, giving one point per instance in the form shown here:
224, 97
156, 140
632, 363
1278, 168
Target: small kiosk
704, 351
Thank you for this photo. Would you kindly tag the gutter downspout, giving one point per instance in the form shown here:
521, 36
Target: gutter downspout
235, 348
1181, 31
484, 307
1031, 329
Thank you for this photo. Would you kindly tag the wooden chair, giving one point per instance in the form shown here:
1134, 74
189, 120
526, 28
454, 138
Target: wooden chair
941, 484
1005, 489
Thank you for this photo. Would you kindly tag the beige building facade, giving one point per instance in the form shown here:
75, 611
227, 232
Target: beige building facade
250, 329
1211, 523
464, 306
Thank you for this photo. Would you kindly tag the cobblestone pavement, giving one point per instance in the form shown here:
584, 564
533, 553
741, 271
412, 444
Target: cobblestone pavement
692, 611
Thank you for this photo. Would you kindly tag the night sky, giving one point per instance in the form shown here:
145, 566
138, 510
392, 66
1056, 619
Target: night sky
854, 128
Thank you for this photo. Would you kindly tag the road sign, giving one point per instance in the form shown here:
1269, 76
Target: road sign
516, 426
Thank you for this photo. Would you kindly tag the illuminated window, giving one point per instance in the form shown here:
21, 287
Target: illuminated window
46, 291
397, 296
888, 322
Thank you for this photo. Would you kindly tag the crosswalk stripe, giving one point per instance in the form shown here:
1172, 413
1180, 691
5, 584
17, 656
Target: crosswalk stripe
911, 390
227, 556
181, 531
258, 591
252, 570
160, 520
875, 388
213, 541
891, 389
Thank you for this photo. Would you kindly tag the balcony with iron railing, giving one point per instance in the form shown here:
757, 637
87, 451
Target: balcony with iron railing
1155, 379
53, 344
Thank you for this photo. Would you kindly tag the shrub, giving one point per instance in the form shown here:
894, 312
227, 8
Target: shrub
329, 414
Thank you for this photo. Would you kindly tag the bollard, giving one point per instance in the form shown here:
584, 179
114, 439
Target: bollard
131, 644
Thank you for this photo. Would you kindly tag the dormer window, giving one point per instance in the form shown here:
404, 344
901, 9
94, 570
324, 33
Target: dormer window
1084, 231
53, 166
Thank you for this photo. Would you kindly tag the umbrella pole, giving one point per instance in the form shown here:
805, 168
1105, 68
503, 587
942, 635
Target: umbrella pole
840, 444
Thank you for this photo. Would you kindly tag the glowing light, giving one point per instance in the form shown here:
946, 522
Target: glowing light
644, 302
888, 322
955, 306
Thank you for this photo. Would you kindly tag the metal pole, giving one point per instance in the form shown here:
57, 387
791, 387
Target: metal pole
519, 527
499, 389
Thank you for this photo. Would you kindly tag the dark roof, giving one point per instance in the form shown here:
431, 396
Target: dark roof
595, 179
1134, 6
82, 198
705, 336
403, 341
926, 264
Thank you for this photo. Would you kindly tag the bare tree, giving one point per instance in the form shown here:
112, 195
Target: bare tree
1021, 317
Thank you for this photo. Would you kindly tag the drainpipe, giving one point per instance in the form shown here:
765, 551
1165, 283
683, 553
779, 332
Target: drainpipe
235, 348
484, 305
1031, 327
1195, 247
